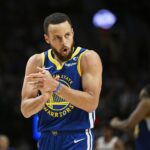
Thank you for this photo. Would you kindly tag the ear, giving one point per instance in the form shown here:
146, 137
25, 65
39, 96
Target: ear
46, 38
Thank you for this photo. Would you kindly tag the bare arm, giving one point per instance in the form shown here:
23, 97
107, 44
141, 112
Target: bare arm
91, 69
31, 103
141, 111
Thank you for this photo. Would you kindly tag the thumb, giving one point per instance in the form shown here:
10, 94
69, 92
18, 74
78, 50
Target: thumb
57, 77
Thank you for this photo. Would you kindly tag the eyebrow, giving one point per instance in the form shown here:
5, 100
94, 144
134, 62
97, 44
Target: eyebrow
60, 35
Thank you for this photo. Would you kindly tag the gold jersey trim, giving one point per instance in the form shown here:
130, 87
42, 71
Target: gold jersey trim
79, 62
136, 131
57, 64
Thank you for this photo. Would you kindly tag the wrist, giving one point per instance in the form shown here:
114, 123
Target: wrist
46, 96
59, 86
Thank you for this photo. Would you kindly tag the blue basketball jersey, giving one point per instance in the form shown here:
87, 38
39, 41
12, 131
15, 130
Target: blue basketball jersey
143, 135
58, 114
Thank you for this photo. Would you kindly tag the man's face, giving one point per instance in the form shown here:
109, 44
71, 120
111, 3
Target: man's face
60, 37
107, 132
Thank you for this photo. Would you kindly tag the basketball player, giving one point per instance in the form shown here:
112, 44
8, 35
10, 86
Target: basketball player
62, 85
140, 120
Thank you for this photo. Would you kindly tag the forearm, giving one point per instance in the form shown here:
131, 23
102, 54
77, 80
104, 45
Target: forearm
129, 123
124, 125
32, 106
80, 99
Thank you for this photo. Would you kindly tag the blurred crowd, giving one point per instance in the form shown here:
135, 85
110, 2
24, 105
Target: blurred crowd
124, 50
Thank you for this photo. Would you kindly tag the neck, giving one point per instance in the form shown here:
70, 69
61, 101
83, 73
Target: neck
55, 57
108, 139
60, 61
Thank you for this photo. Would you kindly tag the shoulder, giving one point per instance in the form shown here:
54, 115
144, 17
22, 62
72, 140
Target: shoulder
34, 62
143, 107
91, 59
145, 103
90, 54
36, 58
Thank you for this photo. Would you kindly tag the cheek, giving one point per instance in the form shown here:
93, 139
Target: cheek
56, 45
70, 41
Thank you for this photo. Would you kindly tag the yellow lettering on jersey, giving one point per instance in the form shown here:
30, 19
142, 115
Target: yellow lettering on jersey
68, 110
56, 114
59, 114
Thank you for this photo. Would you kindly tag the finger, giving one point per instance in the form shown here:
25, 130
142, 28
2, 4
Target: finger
57, 78
31, 82
39, 86
35, 80
35, 75
42, 70
35, 83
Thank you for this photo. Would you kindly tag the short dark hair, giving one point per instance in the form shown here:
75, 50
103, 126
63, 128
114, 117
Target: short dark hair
55, 18
145, 92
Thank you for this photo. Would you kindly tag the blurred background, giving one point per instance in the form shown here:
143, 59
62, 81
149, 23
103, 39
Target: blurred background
124, 47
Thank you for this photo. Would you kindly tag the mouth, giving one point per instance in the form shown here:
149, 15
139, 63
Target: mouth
65, 51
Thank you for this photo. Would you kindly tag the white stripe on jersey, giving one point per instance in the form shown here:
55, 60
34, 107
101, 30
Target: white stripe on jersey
92, 118
91, 139
88, 139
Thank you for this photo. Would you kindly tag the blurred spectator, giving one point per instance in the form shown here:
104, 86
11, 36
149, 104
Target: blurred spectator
108, 141
4, 142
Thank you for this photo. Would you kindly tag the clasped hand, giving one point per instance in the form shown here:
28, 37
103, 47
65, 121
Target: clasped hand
43, 81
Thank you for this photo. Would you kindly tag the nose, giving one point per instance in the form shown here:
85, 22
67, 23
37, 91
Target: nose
64, 41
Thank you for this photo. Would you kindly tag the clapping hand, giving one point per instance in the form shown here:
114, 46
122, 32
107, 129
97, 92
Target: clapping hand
43, 81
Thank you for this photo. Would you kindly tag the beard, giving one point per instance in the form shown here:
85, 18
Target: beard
60, 56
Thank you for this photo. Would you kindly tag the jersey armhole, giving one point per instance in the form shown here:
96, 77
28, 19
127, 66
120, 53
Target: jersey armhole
78, 65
